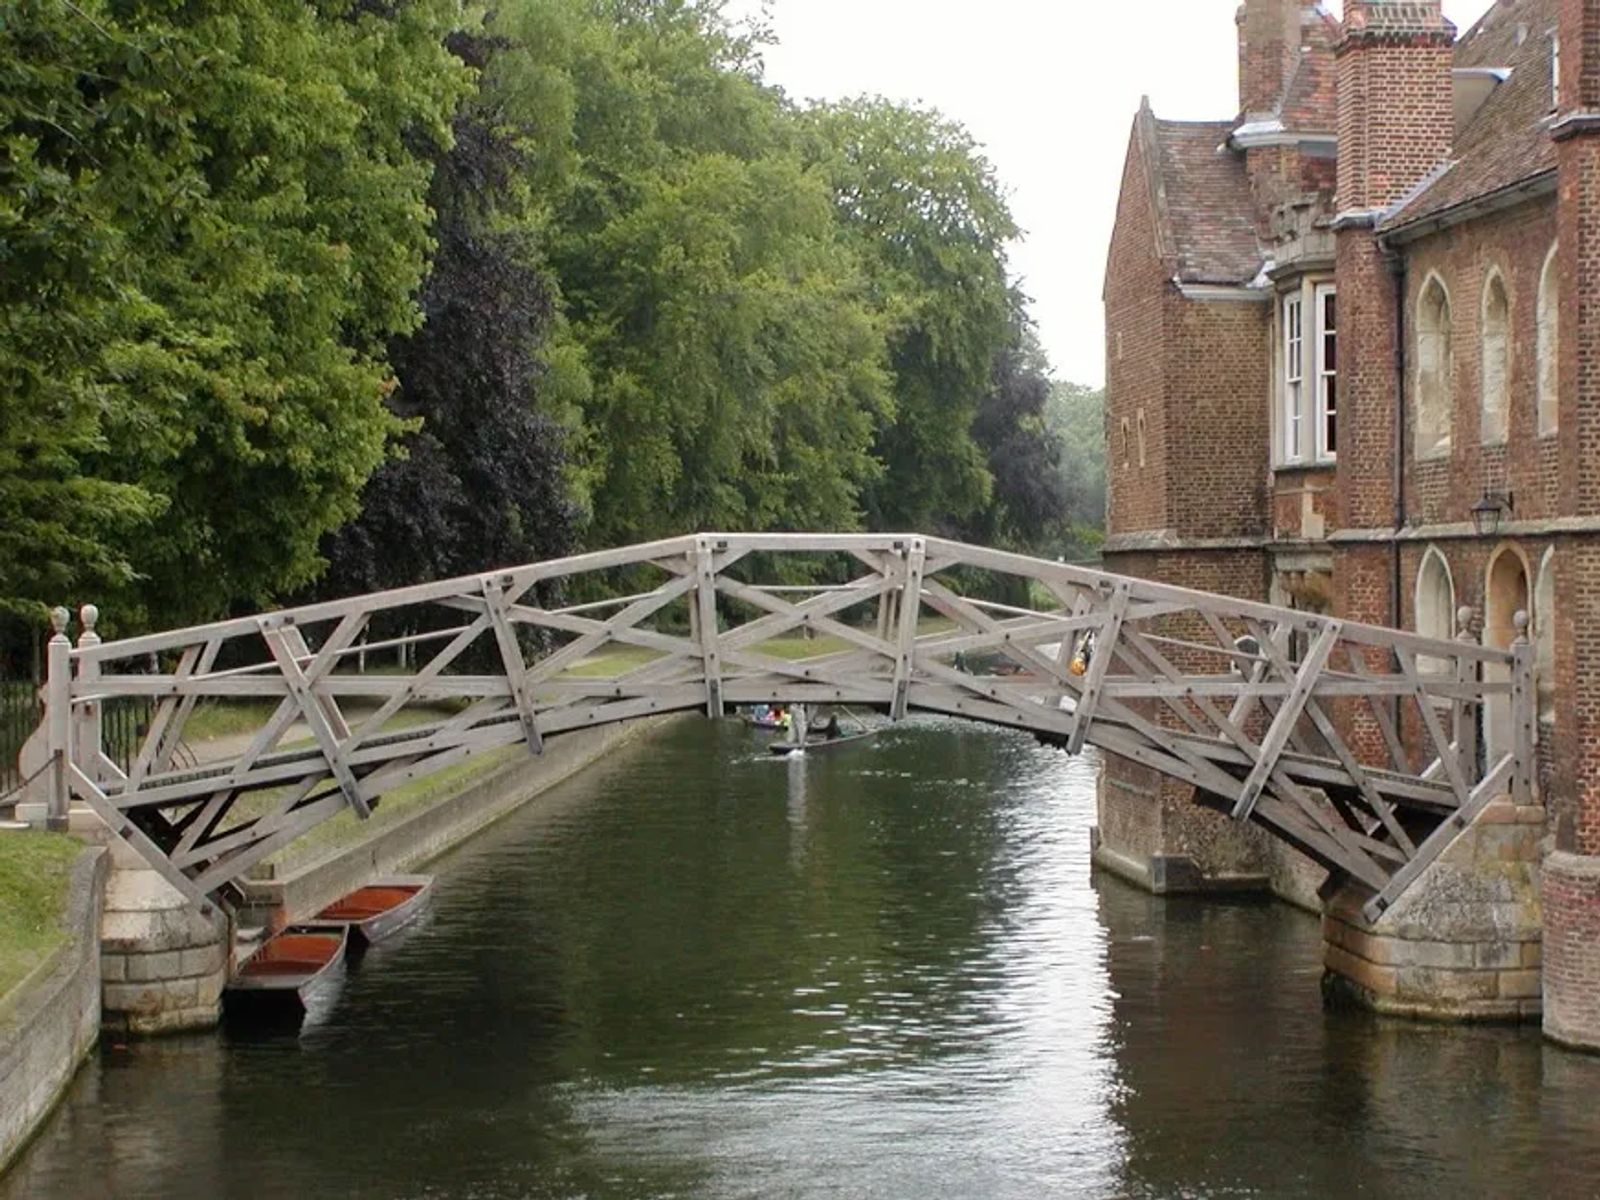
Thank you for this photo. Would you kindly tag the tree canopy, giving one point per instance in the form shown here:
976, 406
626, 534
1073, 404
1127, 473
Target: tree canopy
341, 295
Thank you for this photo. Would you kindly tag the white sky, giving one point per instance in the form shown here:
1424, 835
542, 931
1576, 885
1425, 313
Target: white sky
1049, 87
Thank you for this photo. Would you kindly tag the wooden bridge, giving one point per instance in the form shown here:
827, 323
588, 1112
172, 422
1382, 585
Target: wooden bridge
1357, 744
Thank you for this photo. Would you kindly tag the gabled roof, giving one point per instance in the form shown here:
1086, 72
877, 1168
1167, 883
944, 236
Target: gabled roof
1202, 197
1505, 143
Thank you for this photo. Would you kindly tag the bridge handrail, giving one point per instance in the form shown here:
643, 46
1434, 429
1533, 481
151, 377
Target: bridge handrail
1250, 702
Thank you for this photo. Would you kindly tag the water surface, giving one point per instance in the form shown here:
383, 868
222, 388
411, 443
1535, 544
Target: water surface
698, 971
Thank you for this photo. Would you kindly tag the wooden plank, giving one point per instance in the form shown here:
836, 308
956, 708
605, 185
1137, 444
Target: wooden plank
301, 694
1105, 650
910, 613
1283, 724
87, 791
1430, 722
707, 632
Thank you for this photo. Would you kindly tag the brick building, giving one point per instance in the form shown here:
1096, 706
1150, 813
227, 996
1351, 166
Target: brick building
1349, 368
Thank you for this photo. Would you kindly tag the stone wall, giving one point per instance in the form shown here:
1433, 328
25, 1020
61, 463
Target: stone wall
1463, 943
50, 1021
429, 832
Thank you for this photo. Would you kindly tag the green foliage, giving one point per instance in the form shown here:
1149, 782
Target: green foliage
736, 366
567, 273
927, 216
214, 219
1075, 416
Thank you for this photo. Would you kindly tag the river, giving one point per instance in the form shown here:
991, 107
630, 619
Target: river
884, 971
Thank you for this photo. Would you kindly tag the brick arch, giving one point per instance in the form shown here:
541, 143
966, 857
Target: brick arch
1507, 590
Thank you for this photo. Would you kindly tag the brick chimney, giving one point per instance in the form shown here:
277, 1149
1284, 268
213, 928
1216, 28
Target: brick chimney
1269, 47
1396, 108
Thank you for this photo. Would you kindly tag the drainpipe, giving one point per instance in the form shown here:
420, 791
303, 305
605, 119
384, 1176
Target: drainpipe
1397, 272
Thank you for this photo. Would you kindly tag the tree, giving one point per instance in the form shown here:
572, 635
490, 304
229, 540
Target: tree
479, 481
214, 220
1028, 500
1075, 415
737, 365
925, 212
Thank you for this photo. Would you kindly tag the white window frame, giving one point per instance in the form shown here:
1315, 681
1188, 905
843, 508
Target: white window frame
1294, 392
1307, 378
1327, 372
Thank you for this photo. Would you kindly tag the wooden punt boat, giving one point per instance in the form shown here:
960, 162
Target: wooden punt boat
287, 968
820, 742
377, 910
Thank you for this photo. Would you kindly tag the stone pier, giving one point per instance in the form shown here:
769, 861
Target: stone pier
162, 965
1463, 943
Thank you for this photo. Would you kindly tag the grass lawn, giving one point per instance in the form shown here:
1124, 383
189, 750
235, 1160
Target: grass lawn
394, 806
34, 869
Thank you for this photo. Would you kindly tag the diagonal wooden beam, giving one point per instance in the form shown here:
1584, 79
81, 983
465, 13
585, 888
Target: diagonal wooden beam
1105, 650
1272, 746
494, 594
301, 694
910, 612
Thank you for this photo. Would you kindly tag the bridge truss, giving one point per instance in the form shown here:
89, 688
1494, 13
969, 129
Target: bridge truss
1357, 744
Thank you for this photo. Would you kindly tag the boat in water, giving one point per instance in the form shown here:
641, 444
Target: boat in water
820, 741
283, 975
377, 910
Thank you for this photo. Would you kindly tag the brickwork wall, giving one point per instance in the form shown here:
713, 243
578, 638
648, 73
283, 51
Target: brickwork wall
1366, 383
1396, 99
1516, 244
1570, 895
1217, 386
1136, 290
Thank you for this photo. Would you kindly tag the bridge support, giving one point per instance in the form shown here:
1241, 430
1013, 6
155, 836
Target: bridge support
1463, 942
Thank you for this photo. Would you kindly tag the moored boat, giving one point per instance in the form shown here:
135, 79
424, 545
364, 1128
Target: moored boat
378, 909
821, 742
283, 973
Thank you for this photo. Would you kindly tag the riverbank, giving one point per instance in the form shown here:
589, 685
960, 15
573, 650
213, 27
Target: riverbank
51, 891
422, 821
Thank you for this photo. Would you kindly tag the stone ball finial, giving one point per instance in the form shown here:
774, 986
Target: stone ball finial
1464, 616
89, 616
60, 617
1520, 620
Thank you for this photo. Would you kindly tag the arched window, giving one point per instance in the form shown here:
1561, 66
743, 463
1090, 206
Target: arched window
1435, 399
1544, 634
1142, 459
1125, 459
1496, 351
1435, 604
1505, 595
1549, 348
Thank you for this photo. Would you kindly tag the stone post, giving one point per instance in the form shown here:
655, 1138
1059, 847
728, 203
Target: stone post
58, 720
88, 718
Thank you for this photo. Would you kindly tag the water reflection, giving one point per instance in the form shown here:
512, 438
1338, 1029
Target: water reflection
883, 971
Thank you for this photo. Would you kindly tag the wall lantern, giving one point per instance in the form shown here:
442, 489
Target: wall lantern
1489, 511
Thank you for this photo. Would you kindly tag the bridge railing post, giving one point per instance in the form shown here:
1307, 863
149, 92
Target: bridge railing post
89, 717
1465, 709
703, 619
58, 720
1523, 713
909, 610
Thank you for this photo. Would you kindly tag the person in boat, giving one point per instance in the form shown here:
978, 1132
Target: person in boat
831, 729
761, 714
784, 719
